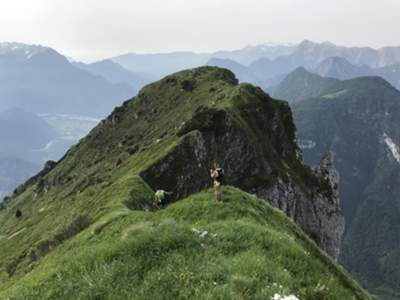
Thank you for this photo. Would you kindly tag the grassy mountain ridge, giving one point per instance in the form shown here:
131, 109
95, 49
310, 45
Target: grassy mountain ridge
196, 248
93, 205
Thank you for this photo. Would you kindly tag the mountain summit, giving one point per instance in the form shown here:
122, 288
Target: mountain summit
95, 204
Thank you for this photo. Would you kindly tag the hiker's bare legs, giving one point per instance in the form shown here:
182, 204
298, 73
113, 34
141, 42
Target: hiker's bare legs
218, 192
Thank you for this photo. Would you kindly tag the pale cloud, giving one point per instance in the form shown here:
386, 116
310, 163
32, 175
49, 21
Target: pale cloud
93, 29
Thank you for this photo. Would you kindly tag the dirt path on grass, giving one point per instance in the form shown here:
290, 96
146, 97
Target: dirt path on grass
16, 233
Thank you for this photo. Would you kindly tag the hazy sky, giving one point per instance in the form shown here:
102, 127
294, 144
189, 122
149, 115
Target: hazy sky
94, 29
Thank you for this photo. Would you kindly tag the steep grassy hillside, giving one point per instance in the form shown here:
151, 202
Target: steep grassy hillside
198, 248
83, 227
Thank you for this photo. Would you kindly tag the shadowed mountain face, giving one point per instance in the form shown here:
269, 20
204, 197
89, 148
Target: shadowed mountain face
40, 80
358, 121
95, 204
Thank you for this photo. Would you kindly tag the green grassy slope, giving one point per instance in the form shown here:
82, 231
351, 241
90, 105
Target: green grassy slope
250, 251
87, 228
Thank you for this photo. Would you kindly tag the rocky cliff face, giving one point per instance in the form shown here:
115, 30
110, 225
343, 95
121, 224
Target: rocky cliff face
317, 211
254, 143
357, 120
318, 214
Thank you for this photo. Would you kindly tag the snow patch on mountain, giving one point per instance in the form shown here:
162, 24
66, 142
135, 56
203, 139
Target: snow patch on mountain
394, 149
21, 50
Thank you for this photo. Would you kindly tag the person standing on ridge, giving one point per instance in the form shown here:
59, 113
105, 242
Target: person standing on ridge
161, 198
217, 175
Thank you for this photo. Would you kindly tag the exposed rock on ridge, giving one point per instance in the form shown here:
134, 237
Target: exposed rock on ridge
255, 145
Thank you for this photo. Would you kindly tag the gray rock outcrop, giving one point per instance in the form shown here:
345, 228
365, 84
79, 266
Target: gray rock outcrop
260, 157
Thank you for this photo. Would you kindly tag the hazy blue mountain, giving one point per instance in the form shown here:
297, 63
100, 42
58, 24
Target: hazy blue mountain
307, 54
247, 55
329, 60
266, 68
390, 73
70, 129
340, 68
39, 79
115, 73
302, 84
22, 134
27, 141
358, 120
243, 73
160, 64
13, 172
267, 62
314, 53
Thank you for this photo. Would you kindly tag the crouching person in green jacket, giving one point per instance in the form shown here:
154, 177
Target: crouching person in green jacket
161, 198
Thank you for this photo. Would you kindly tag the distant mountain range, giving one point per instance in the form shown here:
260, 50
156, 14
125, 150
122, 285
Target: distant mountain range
358, 120
159, 65
40, 80
243, 73
267, 64
339, 67
115, 73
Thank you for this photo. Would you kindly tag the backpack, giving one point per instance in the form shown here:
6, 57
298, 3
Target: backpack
221, 174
